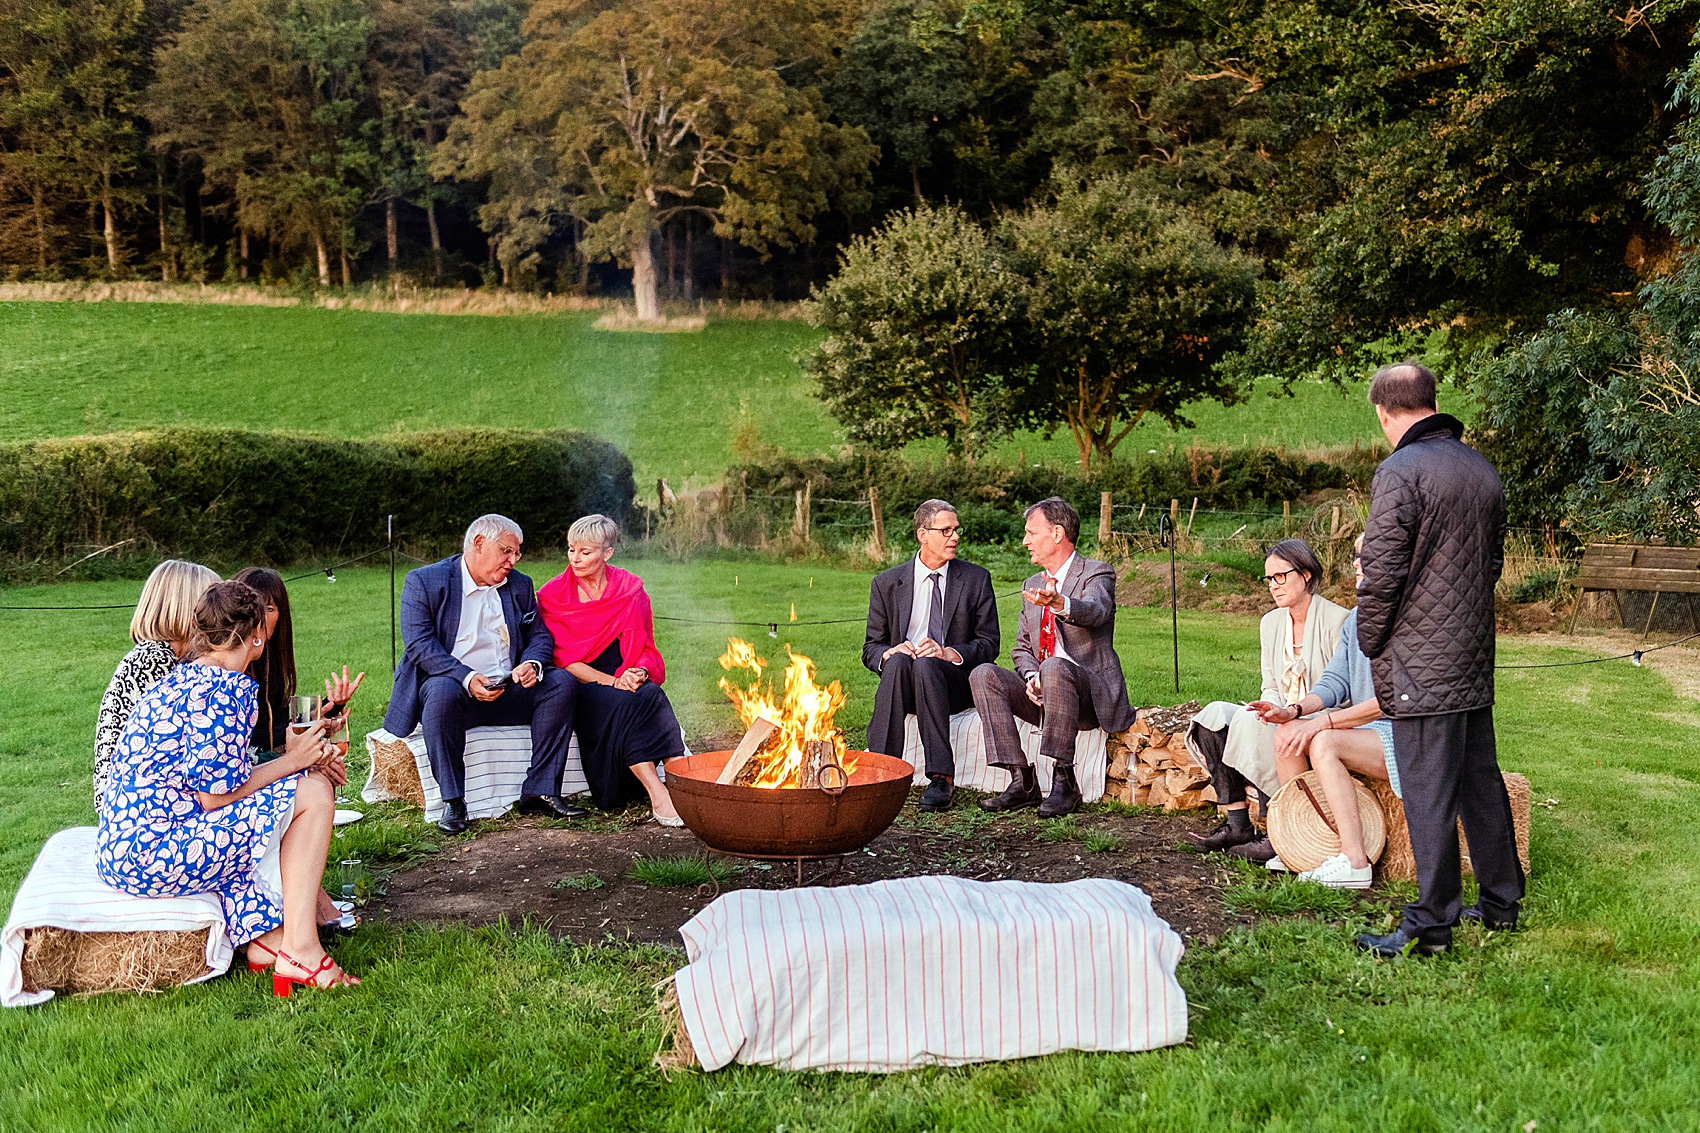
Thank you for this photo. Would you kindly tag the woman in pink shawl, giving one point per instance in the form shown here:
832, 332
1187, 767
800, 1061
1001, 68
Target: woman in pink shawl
605, 636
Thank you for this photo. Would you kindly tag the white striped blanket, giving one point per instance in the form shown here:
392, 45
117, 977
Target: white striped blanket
968, 744
928, 971
63, 891
496, 762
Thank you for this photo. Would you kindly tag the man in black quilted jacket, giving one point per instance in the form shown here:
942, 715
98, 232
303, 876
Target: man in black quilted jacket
1433, 548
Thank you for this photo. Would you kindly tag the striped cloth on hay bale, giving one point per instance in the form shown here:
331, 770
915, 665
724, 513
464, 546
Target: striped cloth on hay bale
1397, 862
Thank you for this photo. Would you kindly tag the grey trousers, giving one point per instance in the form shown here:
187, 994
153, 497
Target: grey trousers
1000, 696
1449, 770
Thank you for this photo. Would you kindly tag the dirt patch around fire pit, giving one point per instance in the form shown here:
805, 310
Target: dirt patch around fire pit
579, 880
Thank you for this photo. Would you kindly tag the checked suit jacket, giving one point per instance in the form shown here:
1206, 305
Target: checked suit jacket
1088, 634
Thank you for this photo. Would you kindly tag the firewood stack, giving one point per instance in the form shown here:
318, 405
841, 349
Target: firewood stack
1150, 766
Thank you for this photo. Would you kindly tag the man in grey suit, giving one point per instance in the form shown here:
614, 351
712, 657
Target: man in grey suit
931, 620
1067, 676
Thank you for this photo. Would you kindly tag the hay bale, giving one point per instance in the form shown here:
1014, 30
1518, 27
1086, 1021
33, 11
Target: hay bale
1397, 861
83, 963
394, 771
675, 1051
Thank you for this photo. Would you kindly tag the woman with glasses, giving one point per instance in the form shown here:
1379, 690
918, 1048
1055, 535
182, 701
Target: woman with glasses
1338, 729
1299, 637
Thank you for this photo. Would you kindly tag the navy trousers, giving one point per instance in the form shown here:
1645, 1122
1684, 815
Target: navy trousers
448, 710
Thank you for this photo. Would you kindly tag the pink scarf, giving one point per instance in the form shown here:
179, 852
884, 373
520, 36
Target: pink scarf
582, 630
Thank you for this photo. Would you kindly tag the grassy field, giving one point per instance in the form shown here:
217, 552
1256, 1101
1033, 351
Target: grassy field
672, 401
1586, 1020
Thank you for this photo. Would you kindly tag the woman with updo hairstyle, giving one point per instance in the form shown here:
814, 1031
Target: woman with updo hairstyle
160, 627
186, 812
274, 669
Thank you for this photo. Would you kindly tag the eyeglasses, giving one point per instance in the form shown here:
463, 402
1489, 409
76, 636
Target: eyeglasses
1280, 577
947, 532
513, 553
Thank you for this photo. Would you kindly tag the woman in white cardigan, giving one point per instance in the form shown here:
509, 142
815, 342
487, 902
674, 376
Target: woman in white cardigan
1299, 636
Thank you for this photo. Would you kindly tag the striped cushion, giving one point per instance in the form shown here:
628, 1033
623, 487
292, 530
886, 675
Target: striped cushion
496, 762
968, 743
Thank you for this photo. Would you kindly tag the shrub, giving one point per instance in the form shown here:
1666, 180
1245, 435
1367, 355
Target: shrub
228, 496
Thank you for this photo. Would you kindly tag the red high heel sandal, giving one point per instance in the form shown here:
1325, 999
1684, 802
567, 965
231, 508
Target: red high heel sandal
254, 967
283, 983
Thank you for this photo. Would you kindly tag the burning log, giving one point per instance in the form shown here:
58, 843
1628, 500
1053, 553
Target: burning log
816, 755
757, 738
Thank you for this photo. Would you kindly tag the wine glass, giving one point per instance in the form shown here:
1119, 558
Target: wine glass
303, 712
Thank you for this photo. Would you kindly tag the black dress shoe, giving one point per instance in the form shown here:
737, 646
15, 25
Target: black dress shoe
1399, 943
1065, 794
1259, 850
453, 818
549, 806
1474, 913
1225, 837
938, 795
1023, 790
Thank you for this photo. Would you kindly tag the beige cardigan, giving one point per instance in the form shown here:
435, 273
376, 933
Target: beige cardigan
1250, 748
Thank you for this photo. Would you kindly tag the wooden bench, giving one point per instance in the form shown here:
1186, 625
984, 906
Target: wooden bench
1629, 566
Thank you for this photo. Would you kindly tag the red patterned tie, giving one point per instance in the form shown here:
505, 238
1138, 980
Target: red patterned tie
1047, 626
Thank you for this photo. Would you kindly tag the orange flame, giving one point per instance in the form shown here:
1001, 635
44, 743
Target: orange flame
804, 712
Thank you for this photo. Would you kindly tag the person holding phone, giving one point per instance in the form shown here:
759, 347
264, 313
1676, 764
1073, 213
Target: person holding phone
186, 811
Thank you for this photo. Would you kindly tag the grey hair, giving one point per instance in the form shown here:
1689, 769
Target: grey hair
924, 514
598, 528
490, 526
1303, 558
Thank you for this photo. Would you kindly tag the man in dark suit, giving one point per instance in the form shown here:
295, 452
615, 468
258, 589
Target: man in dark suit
931, 620
1067, 676
477, 655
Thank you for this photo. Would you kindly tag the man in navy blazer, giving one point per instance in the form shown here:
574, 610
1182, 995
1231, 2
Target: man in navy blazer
477, 655
931, 621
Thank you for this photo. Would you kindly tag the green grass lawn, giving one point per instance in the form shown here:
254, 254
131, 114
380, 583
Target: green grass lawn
1586, 1020
671, 401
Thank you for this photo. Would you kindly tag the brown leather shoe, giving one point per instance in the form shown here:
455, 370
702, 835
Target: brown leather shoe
1023, 790
1224, 837
1259, 851
1065, 794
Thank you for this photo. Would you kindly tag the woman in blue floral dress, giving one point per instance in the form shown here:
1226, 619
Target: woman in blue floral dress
185, 810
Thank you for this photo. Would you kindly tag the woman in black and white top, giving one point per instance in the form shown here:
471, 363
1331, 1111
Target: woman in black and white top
160, 627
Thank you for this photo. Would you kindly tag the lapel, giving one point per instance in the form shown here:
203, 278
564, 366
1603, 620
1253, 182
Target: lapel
905, 601
451, 605
953, 598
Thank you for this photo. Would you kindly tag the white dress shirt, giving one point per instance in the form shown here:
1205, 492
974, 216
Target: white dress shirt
482, 640
1061, 574
922, 608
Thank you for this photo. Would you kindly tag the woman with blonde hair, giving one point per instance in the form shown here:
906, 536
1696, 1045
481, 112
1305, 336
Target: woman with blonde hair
186, 811
160, 627
604, 631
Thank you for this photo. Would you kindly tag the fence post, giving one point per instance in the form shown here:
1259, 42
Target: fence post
1106, 520
389, 538
1191, 515
879, 520
1286, 515
1174, 514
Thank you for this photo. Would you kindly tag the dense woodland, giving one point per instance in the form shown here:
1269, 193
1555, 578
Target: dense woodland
1292, 187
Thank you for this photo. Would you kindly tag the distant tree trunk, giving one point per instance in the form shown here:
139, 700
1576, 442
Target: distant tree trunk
436, 238
690, 283
583, 260
324, 252
915, 180
167, 262
40, 227
390, 233
347, 273
672, 260
725, 268
242, 253
110, 227
643, 280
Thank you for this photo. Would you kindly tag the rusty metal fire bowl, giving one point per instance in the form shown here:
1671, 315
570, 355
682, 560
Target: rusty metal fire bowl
788, 822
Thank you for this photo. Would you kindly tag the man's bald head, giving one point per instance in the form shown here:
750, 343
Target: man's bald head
1404, 387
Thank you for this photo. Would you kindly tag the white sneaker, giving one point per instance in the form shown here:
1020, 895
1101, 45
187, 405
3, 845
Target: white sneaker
1275, 864
1339, 873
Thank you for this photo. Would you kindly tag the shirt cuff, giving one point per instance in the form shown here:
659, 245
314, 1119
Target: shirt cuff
466, 681
1065, 606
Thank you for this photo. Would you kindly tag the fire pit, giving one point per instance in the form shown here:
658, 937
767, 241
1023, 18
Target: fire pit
788, 822
791, 789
